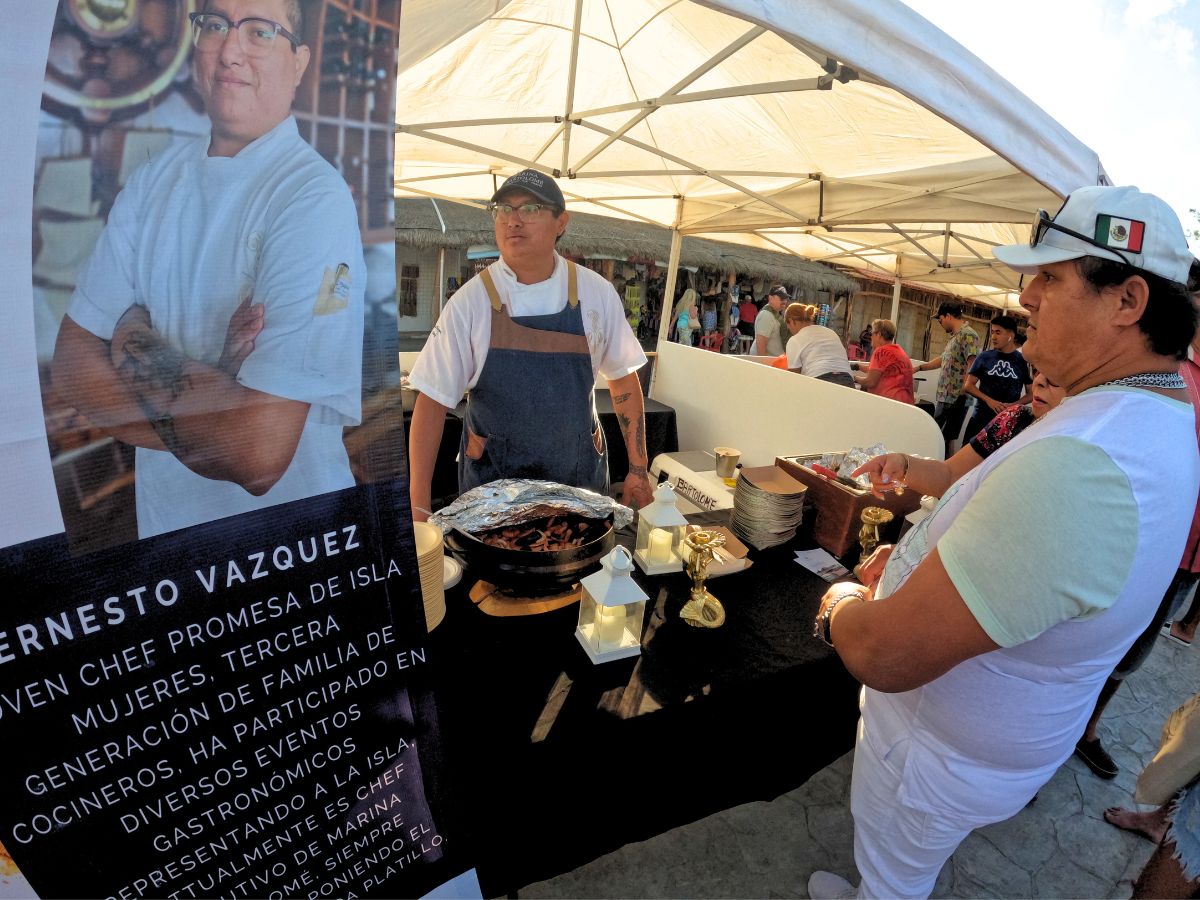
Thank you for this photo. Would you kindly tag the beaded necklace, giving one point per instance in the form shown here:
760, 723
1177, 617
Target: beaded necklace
1169, 380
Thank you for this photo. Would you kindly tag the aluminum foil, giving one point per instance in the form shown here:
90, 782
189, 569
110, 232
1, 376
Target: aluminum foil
845, 463
511, 501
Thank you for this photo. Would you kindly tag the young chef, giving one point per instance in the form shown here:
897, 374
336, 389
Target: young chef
527, 336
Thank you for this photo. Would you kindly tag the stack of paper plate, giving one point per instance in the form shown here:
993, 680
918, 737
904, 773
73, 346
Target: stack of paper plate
430, 563
767, 506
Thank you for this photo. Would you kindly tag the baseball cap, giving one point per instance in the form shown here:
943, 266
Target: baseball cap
534, 183
949, 308
779, 291
1117, 223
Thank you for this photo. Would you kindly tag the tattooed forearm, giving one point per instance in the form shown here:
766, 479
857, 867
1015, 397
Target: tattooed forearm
151, 366
164, 426
633, 430
155, 372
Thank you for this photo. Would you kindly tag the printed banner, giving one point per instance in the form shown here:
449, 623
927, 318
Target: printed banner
214, 678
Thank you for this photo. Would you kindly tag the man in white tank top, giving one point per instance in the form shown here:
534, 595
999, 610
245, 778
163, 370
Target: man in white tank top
979, 672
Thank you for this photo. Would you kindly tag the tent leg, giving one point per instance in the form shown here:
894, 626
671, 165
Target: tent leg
439, 299
895, 316
668, 298
668, 301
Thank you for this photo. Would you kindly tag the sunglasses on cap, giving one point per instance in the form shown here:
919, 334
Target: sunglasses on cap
1043, 222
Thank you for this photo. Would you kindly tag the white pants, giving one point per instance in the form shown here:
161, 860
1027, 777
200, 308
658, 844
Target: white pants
907, 823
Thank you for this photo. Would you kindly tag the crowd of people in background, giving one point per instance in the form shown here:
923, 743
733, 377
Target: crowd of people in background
974, 384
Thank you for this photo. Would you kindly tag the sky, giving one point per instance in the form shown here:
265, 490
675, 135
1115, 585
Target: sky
1123, 76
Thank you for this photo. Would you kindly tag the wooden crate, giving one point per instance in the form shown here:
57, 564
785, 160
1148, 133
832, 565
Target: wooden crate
838, 508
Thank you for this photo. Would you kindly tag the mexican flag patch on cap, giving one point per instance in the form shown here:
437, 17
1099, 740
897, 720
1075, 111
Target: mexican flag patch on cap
1120, 234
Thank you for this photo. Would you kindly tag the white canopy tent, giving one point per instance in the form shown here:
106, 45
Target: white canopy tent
853, 132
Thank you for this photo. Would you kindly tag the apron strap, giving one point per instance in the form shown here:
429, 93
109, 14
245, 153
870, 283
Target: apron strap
572, 285
494, 295
490, 287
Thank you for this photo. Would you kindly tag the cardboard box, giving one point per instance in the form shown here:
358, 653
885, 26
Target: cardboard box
838, 507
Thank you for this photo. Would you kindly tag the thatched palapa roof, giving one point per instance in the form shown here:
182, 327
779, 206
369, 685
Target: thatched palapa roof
418, 225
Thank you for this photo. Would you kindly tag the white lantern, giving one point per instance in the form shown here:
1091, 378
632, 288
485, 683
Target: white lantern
658, 549
612, 610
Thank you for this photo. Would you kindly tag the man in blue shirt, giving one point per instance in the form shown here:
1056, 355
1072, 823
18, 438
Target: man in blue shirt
1000, 376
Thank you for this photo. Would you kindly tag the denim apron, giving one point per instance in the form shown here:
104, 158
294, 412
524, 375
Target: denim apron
532, 413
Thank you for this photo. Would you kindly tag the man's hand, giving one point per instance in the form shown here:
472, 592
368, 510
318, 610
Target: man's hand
636, 493
626, 393
887, 473
216, 427
244, 327
841, 589
871, 568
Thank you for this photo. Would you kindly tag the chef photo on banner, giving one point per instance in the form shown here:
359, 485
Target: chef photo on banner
200, 322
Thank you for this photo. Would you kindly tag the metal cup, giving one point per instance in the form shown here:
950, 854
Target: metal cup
727, 460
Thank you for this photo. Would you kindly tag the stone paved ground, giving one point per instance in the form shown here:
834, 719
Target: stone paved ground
1058, 847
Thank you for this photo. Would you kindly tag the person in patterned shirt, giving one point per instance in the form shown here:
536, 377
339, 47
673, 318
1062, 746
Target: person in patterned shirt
955, 362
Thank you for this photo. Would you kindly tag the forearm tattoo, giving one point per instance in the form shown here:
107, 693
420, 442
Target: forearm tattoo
152, 367
635, 443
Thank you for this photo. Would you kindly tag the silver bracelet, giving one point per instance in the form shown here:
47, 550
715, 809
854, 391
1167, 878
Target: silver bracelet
823, 622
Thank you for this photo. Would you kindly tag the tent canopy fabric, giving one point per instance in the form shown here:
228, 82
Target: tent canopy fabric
853, 132
419, 224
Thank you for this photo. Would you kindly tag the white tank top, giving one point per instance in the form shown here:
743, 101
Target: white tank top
1022, 708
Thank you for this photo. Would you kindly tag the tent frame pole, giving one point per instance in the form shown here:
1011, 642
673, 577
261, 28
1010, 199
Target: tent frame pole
895, 316
570, 100
668, 302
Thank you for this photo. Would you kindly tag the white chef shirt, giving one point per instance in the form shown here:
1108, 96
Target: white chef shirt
189, 237
454, 354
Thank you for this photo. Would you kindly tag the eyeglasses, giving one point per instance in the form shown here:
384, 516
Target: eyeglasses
1042, 223
209, 31
526, 212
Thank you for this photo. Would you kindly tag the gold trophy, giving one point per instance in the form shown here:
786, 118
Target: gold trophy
703, 610
873, 518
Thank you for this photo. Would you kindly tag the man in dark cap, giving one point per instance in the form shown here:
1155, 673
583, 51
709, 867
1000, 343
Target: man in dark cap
768, 327
527, 337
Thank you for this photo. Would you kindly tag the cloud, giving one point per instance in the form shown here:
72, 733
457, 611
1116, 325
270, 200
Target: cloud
1142, 12
1168, 27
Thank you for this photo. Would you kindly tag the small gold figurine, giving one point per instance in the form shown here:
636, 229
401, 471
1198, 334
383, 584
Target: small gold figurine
873, 518
703, 610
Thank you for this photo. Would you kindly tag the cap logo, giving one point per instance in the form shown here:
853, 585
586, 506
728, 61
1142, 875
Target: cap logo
1120, 234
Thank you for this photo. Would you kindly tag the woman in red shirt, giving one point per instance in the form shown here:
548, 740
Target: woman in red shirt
891, 373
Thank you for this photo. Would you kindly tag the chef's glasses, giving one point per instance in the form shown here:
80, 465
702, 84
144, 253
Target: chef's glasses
209, 31
526, 212
1042, 223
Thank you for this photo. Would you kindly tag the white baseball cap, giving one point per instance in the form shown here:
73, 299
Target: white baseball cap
1118, 223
